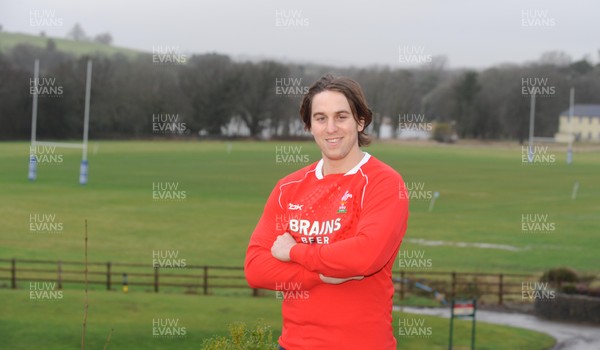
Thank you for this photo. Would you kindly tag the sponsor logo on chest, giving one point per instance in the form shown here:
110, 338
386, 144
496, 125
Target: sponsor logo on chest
318, 231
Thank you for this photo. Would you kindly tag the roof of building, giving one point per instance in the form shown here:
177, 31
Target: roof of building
584, 110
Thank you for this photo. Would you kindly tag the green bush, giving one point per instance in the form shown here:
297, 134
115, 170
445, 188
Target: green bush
558, 276
442, 132
241, 338
569, 289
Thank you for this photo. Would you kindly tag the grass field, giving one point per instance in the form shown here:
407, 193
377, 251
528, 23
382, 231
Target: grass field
57, 324
483, 194
484, 191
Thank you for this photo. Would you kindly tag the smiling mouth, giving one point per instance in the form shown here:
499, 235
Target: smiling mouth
333, 140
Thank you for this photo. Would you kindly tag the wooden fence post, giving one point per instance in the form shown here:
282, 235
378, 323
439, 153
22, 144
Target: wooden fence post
59, 274
13, 274
500, 288
402, 285
453, 293
108, 281
156, 280
205, 286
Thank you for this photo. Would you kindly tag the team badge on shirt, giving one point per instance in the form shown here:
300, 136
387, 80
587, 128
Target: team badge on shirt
342, 209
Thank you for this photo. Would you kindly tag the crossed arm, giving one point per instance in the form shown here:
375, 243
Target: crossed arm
275, 257
281, 251
263, 270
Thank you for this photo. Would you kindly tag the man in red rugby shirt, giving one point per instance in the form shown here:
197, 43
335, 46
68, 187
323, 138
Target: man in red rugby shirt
330, 232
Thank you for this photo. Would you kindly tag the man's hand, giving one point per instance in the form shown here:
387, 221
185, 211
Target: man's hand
282, 246
334, 280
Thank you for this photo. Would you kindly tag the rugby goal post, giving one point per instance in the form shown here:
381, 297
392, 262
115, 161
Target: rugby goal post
83, 169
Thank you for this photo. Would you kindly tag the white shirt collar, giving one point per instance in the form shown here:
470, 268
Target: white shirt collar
319, 167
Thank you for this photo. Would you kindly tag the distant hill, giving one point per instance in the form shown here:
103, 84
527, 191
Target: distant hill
77, 48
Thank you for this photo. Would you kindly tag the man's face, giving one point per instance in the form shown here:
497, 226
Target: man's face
333, 125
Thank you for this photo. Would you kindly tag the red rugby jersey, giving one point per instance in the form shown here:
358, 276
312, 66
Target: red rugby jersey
346, 225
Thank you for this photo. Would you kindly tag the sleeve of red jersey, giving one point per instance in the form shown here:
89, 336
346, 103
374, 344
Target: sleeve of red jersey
262, 270
380, 230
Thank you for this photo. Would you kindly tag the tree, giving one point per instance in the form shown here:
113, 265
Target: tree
208, 82
209, 91
258, 105
77, 33
104, 38
556, 58
15, 101
465, 94
581, 67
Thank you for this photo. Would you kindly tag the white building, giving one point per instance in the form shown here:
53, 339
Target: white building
585, 125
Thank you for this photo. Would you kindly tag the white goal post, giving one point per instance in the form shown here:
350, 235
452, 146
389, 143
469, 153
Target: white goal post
83, 169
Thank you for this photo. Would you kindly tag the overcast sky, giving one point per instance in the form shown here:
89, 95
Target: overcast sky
470, 33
